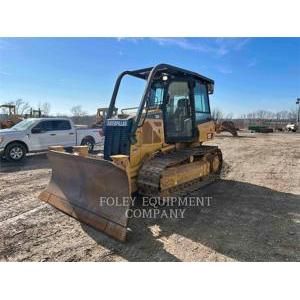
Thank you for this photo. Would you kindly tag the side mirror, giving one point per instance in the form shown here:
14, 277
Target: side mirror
36, 130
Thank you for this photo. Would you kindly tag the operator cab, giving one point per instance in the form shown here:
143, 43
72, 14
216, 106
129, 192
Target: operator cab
180, 97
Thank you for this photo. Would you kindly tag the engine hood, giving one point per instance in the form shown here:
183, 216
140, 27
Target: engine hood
11, 132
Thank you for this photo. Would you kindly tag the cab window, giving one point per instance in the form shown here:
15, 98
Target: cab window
44, 126
61, 125
202, 109
156, 95
53, 125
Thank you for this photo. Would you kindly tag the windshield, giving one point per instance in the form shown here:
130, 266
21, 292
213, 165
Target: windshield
129, 95
25, 124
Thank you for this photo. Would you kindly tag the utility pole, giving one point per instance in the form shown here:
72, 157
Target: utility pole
298, 117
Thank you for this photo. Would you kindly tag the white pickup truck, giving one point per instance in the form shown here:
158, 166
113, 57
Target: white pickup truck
34, 135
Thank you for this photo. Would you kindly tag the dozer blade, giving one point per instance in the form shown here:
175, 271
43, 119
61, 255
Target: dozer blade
94, 191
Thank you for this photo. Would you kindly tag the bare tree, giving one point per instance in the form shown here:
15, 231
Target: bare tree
44, 108
278, 117
229, 116
216, 114
282, 115
78, 113
250, 116
22, 107
261, 114
293, 113
269, 115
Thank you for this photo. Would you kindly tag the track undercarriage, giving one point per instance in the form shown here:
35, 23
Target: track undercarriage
174, 172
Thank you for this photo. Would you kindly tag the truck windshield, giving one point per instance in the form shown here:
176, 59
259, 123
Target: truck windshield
25, 124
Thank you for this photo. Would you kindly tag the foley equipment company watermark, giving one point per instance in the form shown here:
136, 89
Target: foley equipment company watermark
155, 207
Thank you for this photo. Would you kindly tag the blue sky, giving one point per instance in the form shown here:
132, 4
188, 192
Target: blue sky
249, 73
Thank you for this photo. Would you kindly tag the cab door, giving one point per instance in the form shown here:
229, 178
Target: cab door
65, 135
42, 136
179, 118
52, 133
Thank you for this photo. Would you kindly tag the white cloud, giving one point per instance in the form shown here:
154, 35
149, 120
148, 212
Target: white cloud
218, 47
134, 40
182, 43
215, 46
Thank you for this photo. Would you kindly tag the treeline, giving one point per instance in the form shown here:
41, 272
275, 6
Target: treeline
268, 115
23, 107
290, 115
80, 116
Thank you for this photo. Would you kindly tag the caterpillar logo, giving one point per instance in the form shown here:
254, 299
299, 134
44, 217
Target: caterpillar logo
119, 123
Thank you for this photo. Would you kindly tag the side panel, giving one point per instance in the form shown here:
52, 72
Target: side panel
83, 133
206, 131
66, 138
150, 138
41, 141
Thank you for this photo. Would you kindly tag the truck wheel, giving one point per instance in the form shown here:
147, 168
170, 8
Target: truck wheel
15, 152
88, 142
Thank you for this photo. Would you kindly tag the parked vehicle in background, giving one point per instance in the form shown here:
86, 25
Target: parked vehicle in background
37, 134
10, 119
101, 116
291, 127
260, 129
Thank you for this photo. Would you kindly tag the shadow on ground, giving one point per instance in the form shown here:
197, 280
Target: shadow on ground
245, 222
236, 137
32, 162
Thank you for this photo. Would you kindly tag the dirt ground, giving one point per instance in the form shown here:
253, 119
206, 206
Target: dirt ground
254, 213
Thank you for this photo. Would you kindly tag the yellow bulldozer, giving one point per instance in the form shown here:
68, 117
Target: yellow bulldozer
12, 117
101, 116
156, 150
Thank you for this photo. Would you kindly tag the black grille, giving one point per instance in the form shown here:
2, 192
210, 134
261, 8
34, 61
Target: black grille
117, 137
